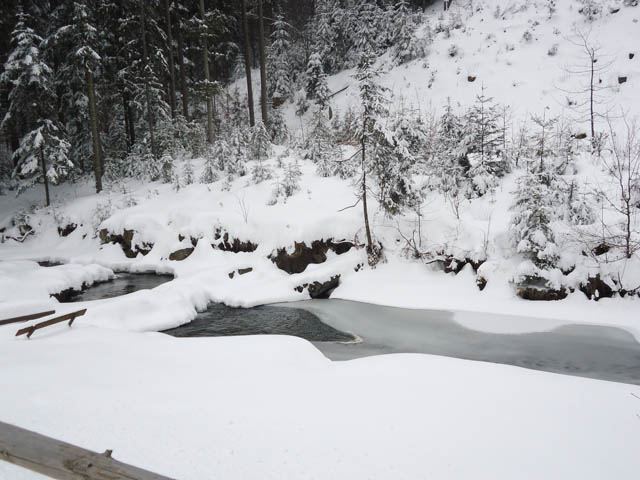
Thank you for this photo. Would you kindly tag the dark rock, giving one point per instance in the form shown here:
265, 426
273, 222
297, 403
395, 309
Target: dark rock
580, 136
303, 255
622, 80
233, 244
124, 240
601, 249
63, 232
320, 289
535, 293
181, 254
241, 271
481, 282
454, 265
596, 288
471, 78
631, 55
613, 10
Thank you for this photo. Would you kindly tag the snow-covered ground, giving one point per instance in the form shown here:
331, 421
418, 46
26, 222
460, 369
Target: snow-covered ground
274, 407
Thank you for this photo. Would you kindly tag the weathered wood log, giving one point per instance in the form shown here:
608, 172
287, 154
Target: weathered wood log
26, 318
62, 318
62, 460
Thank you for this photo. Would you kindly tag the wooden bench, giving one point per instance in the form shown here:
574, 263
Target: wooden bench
25, 318
62, 318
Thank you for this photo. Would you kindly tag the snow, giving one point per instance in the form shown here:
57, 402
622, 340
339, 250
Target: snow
274, 407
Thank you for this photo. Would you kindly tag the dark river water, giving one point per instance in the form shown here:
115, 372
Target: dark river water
122, 284
345, 330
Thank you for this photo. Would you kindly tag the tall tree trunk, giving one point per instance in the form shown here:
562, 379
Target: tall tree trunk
183, 76
129, 122
172, 67
95, 135
364, 197
207, 77
247, 63
263, 73
43, 163
147, 91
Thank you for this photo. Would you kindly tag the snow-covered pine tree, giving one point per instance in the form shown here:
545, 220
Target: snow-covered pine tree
187, 172
76, 80
366, 28
316, 81
406, 46
43, 154
484, 142
450, 164
168, 169
279, 62
261, 149
322, 146
542, 141
373, 105
531, 221
325, 34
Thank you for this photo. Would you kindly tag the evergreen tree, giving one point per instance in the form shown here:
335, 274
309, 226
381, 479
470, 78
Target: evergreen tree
325, 38
43, 156
261, 149
322, 146
532, 213
279, 62
316, 86
373, 103
43, 153
484, 142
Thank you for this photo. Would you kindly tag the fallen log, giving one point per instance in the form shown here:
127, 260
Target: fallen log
62, 318
62, 460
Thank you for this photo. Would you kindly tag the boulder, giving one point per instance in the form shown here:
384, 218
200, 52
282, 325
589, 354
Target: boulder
234, 245
181, 254
535, 293
595, 288
471, 78
67, 230
320, 289
622, 80
124, 240
303, 255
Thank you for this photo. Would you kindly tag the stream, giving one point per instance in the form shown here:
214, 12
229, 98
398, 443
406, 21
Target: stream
345, 330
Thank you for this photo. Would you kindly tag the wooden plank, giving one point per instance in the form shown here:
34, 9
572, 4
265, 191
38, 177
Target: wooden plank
25, 318
64, 461
62, 318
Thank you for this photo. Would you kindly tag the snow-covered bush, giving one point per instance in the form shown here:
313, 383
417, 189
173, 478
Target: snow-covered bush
531, 221
322, 147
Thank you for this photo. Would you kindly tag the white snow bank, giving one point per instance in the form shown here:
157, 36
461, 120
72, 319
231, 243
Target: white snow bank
274, 407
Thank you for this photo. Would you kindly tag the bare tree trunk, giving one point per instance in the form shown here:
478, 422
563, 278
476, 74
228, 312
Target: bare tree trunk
183, 76
147, 91
364, 197
129, 122
247, 63
263, 73
44, 176
95, 135
207, 77
172, 67
591, 114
